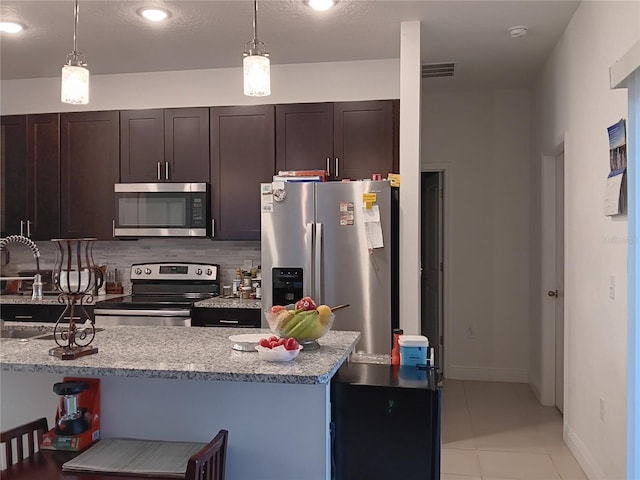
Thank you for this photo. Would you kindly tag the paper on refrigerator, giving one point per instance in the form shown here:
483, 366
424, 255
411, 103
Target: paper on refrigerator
373, 227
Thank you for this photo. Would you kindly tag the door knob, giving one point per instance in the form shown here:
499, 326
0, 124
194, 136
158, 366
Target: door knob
553, 293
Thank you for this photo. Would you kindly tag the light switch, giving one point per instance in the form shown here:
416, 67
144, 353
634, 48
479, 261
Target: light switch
612, 287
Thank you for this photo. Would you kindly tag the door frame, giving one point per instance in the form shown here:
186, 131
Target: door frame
445, 172
548, 274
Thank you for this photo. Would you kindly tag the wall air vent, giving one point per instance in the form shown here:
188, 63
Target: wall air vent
434, 70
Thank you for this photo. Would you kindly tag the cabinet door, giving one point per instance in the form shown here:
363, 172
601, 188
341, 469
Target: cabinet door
304, 136
89, 169
43, 186
142, 145
242, 156
186, 145
364, 139
13, 139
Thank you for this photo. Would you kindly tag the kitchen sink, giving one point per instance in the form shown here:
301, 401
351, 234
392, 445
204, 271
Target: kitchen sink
33, 333
21, 332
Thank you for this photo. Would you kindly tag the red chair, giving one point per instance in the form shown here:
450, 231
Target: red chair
208, 463
16, 436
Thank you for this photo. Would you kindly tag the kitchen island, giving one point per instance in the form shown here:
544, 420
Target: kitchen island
184, 384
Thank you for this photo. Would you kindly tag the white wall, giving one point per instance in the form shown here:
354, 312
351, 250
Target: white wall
483, 139
319, 82
573, 100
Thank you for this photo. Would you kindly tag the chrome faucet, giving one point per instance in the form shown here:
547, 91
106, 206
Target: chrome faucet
37, 280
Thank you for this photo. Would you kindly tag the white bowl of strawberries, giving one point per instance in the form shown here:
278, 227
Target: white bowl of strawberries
274, 349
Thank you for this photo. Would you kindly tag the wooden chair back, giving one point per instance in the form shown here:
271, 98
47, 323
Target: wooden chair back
13, 440
209, 463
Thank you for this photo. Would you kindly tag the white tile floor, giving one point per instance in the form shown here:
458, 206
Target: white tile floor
495, 431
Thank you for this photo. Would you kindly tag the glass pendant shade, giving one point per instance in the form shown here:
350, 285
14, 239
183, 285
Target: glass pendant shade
75, 85
257, 75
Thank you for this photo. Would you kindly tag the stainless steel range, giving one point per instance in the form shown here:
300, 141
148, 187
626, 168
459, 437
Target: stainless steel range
161, 294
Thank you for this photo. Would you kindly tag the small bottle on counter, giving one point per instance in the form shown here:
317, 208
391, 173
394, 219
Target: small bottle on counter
395, 351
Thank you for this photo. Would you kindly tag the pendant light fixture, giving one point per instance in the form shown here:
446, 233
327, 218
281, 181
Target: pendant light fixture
256, 64
75, 74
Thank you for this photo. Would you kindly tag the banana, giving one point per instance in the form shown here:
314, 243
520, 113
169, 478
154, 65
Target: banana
298, 317
302, 325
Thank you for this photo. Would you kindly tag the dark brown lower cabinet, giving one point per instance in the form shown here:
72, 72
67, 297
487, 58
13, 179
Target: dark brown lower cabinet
242, 157
226, 317
89, 150
39, 313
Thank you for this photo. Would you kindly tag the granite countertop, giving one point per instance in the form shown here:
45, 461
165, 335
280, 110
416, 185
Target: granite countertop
186, 353
49, 299
229, 302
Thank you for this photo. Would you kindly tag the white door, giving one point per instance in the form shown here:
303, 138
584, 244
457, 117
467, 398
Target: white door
559, 299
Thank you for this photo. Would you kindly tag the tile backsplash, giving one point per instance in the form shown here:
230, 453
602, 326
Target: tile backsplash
121, 254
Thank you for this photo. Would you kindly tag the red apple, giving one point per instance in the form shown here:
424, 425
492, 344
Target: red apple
306, 303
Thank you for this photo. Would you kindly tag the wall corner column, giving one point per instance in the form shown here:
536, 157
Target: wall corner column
410, 108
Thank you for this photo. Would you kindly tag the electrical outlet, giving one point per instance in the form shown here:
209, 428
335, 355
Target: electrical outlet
602, 409
612, 287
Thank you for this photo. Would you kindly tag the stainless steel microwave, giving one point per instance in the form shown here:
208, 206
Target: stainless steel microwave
162, 210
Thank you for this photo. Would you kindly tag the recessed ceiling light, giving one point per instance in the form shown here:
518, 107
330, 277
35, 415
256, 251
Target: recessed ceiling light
321, 5
154, 14
519, 31
11, 27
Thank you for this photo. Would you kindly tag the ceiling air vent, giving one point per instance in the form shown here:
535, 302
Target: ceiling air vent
434, 70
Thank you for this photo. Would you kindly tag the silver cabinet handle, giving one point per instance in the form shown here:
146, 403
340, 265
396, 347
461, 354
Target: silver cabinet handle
159, 172
22, 228
328, 167
213, 227
29, 228
113, 228
23, 317
337, 167
166, 170
229, 321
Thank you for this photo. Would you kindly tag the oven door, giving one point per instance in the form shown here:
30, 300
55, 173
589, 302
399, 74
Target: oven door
140, 317
161, 210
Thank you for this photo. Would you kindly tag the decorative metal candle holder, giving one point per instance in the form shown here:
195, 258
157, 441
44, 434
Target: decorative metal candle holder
76, 277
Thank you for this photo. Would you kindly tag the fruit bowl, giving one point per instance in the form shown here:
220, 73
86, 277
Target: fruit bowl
304, 326
277, 354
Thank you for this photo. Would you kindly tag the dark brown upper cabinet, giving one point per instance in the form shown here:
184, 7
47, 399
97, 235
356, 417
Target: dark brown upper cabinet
164, 145
43, 185
346, 139
13, 158
31, 176
365, 139
304, 136
89, 150
242, 157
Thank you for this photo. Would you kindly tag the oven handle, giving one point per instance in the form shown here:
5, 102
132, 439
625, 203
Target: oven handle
155, 313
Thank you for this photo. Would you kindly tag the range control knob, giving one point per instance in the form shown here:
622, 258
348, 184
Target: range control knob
147, 271
198, 271
138, 271
209, 271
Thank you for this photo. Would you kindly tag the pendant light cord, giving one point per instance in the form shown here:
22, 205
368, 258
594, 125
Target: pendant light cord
75, 29
255, 22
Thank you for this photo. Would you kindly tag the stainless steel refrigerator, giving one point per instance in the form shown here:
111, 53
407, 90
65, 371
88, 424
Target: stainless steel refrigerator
317, 240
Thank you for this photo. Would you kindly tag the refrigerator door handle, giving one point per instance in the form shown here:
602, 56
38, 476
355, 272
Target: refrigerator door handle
308, 277
318, 287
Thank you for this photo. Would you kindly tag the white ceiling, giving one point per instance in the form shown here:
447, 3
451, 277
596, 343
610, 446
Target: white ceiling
212, 34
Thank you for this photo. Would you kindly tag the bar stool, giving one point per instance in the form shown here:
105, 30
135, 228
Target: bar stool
16, 435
